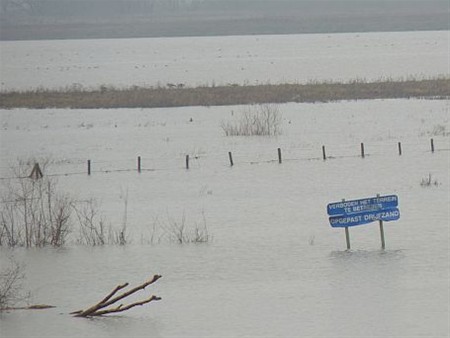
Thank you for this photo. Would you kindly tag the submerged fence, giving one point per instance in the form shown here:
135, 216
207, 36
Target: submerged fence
228, 159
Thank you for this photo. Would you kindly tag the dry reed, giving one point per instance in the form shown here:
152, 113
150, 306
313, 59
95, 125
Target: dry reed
110, 97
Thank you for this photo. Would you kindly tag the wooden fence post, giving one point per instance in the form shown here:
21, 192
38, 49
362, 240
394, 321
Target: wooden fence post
279, 155
187, 161
362, 150
432, 145
89, 167
400, 149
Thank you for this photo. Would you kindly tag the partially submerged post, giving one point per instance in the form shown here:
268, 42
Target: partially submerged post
400, 149
362, 150
187, 161
432, 145
89, 167
347, 238
230, 156
383, 243
36, 173
139, 164
279, 155
324, 155
347, 233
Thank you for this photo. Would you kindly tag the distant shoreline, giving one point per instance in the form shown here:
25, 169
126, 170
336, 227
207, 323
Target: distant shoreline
67, 19
157, 97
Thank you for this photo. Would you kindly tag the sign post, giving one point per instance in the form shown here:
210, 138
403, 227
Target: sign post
383, 243
347, 234
347, 238
345, 214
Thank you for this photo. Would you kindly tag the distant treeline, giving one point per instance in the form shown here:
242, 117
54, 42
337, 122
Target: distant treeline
68, 19
134, 97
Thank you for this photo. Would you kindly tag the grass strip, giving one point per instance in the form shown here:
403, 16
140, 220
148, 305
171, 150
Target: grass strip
151, 97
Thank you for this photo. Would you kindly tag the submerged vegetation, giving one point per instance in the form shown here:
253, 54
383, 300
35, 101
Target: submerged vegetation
35, 212
11, 279
232, 94
256, 120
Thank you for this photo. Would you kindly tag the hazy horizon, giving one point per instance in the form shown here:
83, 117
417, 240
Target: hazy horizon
64, 19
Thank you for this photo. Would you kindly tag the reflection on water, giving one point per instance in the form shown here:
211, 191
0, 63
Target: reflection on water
362, 255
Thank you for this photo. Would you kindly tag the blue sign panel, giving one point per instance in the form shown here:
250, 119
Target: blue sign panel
372, 204
365, 217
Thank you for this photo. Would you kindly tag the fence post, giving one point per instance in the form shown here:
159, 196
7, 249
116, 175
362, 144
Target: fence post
279, 155
362, 150
400, 149
230, 156
89, 167
432, 145
324, 155
139, 164
187, 161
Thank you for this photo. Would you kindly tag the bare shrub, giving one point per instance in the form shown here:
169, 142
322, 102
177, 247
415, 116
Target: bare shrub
11, 279
257, 120
92, 226
179, 231
429, 181
33, 213
439, 130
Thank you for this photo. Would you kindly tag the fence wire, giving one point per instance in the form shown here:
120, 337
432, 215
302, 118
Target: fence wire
265, 154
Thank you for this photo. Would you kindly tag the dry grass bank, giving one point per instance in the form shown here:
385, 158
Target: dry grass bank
109, 97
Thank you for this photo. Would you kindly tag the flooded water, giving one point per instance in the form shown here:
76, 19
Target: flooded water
222, 60
273, 266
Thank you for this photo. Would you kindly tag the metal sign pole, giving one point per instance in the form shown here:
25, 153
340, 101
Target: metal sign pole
347, 234
383, 244
347, 238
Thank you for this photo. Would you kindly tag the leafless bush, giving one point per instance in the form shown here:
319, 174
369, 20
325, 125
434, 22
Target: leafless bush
11, 279
257, 120
92, 226
429, 181
32, 211
179, 231
91, 223
439, 130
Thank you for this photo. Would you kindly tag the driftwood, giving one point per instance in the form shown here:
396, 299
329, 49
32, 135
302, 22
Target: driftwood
30, 307
101, 308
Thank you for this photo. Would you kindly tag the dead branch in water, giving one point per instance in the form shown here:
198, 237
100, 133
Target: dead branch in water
100, 308
30, 307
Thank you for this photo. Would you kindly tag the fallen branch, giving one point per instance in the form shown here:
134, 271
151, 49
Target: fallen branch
100, 308
30, 307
